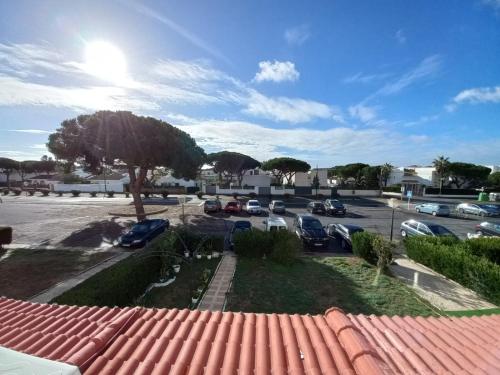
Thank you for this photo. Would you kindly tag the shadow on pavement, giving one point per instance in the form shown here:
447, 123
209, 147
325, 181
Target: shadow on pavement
94, 234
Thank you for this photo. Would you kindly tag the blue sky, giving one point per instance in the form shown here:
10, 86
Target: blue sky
330, 82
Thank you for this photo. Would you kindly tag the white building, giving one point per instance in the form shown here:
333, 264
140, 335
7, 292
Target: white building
252, 177
414, 178
306, 178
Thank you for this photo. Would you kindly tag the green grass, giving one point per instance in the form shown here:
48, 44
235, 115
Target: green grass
179, 293
312, 285
493, 311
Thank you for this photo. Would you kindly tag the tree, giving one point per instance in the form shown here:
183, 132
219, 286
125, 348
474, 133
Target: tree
27, 167
466, 174
370, 177
285, 168
46, 165
7, 166
140, 143
315, 183
232, 164
441, 164
352, 170
385, 172
494, 179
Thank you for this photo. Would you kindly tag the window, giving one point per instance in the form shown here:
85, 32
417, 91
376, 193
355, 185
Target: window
412, 224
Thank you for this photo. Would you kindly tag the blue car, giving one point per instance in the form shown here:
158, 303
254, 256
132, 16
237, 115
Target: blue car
143, 232
434, 209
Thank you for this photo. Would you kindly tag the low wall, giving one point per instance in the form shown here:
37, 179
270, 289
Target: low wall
451, 196
391, 194
361, 193
278, 190
237, 191
86, 188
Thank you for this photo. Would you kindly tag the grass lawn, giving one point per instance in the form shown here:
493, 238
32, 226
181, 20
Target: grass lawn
25, 272
312, 285
179, 293
494, 311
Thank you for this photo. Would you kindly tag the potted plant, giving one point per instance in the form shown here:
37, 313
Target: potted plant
215, 254
31, 192
75, 193
209, 255
59, 193
111, 194
196, 297
127, 194
45, 192
164, 194
93, 194
186, 254
176, 267
198, 256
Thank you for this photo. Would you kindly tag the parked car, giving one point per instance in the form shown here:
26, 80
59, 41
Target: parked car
424, 228
488, 229
343, 232
310, 231
238, 227
277, 207
233, 207
275, 224
316, 208
334, 207
253, 207
434, 209
143, 232
477, 209
212, 205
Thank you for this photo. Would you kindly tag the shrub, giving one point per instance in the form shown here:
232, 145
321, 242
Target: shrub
5, 236
199, 194
75, 193
93, 194
127, 194
45, 192
488, 247
164, 194
455, 261
111, 194
286, 247
253, 244
362, 246
320, 196
146, 194
286, 196
235, 195
5, 191
216, 243
17, 191
252, 195
31, 192
59, 193
383, 251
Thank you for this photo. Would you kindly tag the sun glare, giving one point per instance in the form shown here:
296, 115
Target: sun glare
106, 61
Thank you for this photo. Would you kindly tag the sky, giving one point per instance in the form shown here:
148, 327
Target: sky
330, 82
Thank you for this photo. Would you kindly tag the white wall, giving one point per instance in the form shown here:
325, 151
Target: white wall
306, 178
169, 180
363, 193
278, 190
115, 186
238, 191
263, 180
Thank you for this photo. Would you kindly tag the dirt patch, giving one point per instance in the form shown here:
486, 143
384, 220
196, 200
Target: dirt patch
25, 272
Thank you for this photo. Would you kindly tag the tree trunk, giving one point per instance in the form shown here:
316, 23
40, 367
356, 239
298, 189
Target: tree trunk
7, 174
136, 183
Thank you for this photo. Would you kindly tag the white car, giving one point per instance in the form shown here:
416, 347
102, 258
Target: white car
253, 207
275, 224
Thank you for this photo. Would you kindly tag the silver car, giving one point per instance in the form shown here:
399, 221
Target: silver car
476, 209
434, 209
424, 228
277, 207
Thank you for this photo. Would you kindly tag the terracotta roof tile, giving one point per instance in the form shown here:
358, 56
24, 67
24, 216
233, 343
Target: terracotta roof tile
160, 341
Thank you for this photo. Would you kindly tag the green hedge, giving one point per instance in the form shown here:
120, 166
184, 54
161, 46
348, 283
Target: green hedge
488, 247
455, 261
362, 246
5, 235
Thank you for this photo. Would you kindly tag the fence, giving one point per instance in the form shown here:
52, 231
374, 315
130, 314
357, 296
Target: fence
358, 192
86, 188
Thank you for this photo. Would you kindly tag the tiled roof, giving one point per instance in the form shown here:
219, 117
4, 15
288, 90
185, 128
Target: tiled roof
102, 340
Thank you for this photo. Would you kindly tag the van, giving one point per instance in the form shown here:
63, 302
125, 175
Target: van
275, 224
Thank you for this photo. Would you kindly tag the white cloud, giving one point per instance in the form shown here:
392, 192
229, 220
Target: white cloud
30, 131
292, 110
363, 113
479, 95
365, 78
400, 36
277, 71
190, 71
297, 35
40, 146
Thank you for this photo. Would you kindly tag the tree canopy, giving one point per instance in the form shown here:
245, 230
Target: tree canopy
467, 175
141, 143
494, 179
285, 168
232, 164
385, 172
7, 166
353, 170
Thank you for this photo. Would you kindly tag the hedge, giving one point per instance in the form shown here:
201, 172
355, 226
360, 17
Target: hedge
455, 261
488, 247
392, 189
448, 191
5, 236
362, 246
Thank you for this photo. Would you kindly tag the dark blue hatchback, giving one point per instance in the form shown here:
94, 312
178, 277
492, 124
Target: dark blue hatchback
143, 232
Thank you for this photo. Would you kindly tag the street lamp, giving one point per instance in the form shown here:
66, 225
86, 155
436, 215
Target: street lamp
393, 203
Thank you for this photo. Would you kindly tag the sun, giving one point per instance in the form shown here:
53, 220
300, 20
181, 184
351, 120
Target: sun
105, 61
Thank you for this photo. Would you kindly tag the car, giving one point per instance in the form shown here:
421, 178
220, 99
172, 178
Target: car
343, 232
238, 227
310, 231
334, 207
477, 209
434, 209
316, 207
253, 207
424, 228
233, 207
212, 205
277, 207
488, 229
275, 224
143, 232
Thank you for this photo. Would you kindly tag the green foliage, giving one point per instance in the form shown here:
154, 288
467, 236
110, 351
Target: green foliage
232, 164
252, 195
199, 194
383, 251
75, 193
5, 236
93, 194
111, 194
392, 189
73, 179
285, 167
494, 179
488, 247
385, 172
286, 247
315, 182
466, 174
362, 246
455, 261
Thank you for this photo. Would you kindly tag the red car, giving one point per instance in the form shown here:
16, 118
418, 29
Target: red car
233, 207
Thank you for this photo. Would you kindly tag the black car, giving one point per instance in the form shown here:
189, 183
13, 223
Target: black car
334, 207
488, 229
238, 227
316, 208
343, 232
310, 231
143, 232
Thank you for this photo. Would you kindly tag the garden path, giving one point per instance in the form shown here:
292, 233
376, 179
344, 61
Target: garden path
215, 297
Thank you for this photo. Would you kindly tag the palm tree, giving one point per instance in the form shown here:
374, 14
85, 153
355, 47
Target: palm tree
441, 164
385, 172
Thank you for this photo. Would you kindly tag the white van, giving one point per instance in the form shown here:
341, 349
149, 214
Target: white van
275, 224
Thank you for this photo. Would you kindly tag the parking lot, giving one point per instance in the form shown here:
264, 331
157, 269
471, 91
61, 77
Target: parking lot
86, 222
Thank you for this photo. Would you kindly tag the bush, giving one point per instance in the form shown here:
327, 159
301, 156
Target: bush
252, 195
146, 194
59, 193
127, 194
455, 261
286, 247
75, 193
362, 246
216, 243
164, 194
45, 192
488, 247
17, 191
5, 191
31, 192
383, 251
111, 194
286, 196
392, 189
235, 195
199, 194
93, 194
5, 236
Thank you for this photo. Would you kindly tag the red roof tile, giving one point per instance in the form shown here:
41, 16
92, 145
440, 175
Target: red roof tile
160, 341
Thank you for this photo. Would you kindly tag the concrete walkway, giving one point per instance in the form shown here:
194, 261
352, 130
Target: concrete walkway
443, 293
61, 287
215, 296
